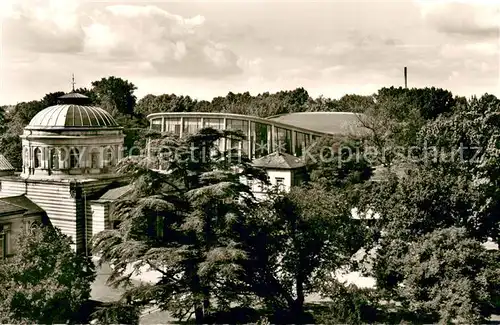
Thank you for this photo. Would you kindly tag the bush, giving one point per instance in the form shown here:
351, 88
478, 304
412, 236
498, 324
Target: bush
348, 305
116, 313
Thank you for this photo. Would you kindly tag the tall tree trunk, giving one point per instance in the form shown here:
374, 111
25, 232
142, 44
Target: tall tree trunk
298, 307
196, 292
198, 313
206, 300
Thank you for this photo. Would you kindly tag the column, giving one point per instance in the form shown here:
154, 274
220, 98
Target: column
182, 127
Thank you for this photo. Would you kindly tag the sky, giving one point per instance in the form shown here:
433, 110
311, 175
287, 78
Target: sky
207, 48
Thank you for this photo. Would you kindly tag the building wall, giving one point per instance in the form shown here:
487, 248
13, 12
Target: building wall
67, 204
17, 224
99, 218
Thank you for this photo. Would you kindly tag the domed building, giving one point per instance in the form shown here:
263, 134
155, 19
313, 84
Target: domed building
71, 140
69, 152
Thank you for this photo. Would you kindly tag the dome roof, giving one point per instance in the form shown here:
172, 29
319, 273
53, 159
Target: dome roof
72, 116
72, 112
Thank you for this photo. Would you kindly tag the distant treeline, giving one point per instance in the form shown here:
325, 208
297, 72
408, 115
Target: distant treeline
117, 96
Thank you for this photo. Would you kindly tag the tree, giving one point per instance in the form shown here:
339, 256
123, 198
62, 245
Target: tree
22, 114
11, 148
430, 102
337, 162
46, 281
2, 119
116, 95
355, 103
89, 93
51, 99
183, 223
294, 242
451, 276
466, 144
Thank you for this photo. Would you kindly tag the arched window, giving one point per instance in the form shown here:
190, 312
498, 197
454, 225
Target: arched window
38, 157
94, 158
54, 158
74, 158
108, 156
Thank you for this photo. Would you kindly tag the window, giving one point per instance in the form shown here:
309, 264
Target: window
108, 158
242, 126
38, 157
74, 158
94, 158
300, 143
280, 183
260, 137
214, 123
54, 159
4, 230
284, 140
172, 125
156, 124
191, 125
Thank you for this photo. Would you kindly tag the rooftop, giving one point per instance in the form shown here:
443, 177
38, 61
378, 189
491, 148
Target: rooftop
71, 115
279, 160
73, 95
18, 204
338, 123
116, 193
5, 164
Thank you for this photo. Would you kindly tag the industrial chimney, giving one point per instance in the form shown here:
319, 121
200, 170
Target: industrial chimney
406, 77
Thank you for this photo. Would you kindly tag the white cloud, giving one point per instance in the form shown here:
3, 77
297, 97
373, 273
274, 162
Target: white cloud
463, 18
114, 34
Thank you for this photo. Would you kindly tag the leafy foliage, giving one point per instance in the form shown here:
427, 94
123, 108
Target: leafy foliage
338, 163
46, 281
116, 313
295, 242
115, 95
348, 304
450, 275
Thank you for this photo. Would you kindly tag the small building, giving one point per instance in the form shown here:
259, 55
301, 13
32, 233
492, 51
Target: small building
103, 206
284, 171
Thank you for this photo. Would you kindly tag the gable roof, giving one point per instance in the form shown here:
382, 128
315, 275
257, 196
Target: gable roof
279, 160
17, 205
5, 164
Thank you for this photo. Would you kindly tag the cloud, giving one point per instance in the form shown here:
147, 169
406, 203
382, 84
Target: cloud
479, 19
51, 28
143, 36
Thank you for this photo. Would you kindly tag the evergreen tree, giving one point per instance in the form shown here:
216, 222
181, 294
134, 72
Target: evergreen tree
183, 223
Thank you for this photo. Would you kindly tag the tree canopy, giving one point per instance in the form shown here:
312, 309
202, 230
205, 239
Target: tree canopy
45, 281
